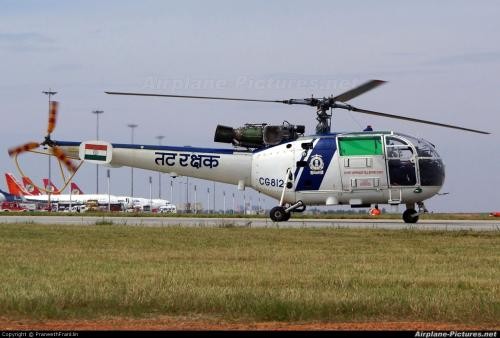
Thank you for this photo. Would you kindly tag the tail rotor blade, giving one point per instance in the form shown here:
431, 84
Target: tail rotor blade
52, 116
25, 147
61, 156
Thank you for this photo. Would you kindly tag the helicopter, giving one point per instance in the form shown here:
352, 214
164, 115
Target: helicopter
356, 169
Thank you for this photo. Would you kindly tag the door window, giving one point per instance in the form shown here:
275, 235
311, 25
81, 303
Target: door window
360, 146
400, 162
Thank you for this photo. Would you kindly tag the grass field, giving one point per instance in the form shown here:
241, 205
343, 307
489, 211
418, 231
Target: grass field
84, 272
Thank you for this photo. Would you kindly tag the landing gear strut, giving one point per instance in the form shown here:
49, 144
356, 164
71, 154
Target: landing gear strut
411, 215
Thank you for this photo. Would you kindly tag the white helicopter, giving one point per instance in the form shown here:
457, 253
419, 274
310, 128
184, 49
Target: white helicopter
359, 169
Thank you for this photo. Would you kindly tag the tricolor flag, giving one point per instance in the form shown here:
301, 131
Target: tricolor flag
96, 152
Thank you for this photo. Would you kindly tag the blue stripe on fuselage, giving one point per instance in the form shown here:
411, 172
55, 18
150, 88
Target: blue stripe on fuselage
174, 148
312, 179
158, 147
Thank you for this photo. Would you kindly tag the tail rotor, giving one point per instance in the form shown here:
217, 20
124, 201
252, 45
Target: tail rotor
54, 150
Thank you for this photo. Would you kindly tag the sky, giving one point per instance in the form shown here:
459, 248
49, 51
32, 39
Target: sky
441, 60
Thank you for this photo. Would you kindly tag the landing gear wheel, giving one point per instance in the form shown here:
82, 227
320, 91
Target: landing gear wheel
408, 216
278, 214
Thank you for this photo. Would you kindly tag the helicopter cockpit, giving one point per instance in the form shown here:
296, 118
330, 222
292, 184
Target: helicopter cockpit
413, 161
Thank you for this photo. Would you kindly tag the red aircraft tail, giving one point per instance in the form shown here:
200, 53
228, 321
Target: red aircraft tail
31, 188
15, 188
50, 187
75, 189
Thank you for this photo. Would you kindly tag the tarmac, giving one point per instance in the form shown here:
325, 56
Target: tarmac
440, 225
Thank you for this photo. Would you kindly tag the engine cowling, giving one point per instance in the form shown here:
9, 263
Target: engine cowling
258, 135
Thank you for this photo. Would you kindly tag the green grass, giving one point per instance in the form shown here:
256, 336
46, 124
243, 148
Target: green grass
249, 274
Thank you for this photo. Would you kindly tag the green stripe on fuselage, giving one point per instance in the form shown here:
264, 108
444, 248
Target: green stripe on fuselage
95, 157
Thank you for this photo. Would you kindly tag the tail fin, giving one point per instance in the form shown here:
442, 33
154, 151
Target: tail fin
30, 186
9, 197
49, 186
75, 189
15, 188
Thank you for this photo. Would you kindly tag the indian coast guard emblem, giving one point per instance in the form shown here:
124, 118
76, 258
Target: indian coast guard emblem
30, 187
316, 165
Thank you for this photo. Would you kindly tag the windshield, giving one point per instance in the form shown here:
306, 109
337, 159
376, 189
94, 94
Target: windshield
430, 165
424, 148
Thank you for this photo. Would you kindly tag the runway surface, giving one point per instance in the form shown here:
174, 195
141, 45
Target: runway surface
493, 225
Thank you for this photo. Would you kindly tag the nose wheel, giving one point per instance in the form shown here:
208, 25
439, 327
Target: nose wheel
278, 214
411, 215
282, 214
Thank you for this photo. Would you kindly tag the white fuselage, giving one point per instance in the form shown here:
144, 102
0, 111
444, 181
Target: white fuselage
353, 168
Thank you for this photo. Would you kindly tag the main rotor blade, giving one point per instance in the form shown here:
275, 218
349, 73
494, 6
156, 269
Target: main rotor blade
399, 117
351, 94
195, 97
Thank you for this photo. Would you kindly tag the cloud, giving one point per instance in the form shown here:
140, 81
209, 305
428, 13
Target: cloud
26, 42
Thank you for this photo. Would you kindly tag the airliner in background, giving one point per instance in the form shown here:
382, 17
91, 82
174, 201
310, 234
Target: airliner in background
31, 193
48, 186
7, 197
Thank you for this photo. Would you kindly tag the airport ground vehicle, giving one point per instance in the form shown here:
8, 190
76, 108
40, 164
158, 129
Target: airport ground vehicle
169, 209
12, 207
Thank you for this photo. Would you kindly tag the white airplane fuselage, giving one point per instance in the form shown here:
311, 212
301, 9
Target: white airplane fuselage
75, 199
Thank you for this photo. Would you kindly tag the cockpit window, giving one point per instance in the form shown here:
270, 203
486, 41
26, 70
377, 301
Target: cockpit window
393, 141
423, 147
400, 162
397, 148
431, 171
430, 165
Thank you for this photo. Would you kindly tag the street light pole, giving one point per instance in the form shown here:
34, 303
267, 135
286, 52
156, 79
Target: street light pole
97, 113
224, 194
150, 194
208, 200
132, 127
109, 193
159, 137
195, 209
171, 191
49, 93
188, 207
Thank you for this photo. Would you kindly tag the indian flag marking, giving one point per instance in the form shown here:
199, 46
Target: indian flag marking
96, 152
